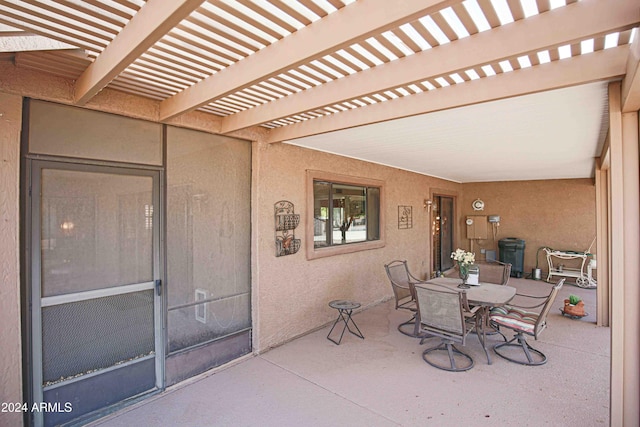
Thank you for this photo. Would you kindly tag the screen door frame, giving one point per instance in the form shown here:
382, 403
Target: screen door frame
33, 208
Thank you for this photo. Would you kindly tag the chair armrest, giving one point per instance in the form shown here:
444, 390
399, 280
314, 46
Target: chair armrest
531, 296
472, 310
415, 279
466, 307
528, 306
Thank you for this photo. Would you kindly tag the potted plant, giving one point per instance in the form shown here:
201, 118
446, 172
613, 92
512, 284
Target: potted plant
574, 306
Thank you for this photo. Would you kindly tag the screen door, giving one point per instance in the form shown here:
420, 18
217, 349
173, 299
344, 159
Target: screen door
95, 287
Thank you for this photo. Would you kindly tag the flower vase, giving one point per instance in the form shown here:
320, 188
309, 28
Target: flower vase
464, 275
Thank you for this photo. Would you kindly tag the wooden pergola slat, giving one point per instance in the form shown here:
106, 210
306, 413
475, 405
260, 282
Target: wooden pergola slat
444, 26
464, 17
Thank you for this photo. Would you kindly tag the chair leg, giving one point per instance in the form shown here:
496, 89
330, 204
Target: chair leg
496, 330
415, 328
459, 364
411, 322
534, 357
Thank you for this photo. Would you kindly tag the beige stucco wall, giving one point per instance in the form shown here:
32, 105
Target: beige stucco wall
560, 214
10, 347
291, 292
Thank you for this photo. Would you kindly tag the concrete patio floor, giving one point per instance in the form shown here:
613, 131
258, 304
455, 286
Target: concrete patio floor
383, 381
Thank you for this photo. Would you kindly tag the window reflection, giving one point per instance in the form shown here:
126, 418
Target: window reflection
342, 213
96, 230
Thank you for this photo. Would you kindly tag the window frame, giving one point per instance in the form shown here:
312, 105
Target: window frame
311, 251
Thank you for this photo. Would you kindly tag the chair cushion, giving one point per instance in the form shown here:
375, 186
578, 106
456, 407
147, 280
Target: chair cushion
514, 318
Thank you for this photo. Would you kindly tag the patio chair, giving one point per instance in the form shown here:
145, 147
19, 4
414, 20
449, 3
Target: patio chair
524, 322
441, 313
495, 272
402, 282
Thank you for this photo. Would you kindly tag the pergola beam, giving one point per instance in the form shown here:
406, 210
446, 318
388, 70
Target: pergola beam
631, 82
572, 23
603, 65
339, 29
150, 24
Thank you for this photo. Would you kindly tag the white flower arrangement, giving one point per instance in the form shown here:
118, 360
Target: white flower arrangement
463, 257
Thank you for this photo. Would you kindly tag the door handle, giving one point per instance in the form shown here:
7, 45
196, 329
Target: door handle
159, 287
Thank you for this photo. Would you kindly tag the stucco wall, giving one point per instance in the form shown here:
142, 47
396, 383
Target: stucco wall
10, 353
291, 292
560, 214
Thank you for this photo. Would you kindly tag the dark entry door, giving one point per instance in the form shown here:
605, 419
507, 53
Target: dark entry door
443, 218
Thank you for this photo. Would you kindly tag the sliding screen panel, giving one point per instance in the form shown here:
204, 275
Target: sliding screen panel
208, 250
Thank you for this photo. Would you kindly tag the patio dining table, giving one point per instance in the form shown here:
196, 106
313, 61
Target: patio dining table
485, 295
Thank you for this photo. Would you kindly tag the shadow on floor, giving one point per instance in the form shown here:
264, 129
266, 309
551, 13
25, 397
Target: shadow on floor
383, 381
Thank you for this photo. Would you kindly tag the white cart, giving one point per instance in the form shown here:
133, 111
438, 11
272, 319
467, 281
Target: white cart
556, 268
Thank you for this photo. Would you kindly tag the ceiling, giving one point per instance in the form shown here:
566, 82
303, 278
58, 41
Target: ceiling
549, 135
473, 90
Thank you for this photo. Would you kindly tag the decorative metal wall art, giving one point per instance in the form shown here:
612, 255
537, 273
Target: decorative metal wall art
405, 217
286, 221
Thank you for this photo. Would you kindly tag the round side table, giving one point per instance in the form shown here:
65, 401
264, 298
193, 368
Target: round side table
345, 309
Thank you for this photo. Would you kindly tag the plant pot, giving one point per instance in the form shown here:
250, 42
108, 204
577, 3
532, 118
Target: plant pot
574, 310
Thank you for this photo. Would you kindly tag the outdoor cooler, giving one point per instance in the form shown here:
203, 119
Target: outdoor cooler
512, 252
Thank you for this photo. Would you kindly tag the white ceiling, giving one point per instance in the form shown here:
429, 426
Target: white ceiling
549, 135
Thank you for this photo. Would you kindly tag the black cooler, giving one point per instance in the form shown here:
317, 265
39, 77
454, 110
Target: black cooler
512, 252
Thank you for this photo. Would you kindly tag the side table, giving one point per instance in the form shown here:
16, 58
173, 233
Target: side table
345, 309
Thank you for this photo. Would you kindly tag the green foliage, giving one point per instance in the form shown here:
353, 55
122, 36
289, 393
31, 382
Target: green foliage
574, 299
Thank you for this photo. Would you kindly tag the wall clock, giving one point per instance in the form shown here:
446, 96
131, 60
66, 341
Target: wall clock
478, 205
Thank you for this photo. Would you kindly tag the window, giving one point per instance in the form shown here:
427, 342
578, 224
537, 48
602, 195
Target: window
346, 214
